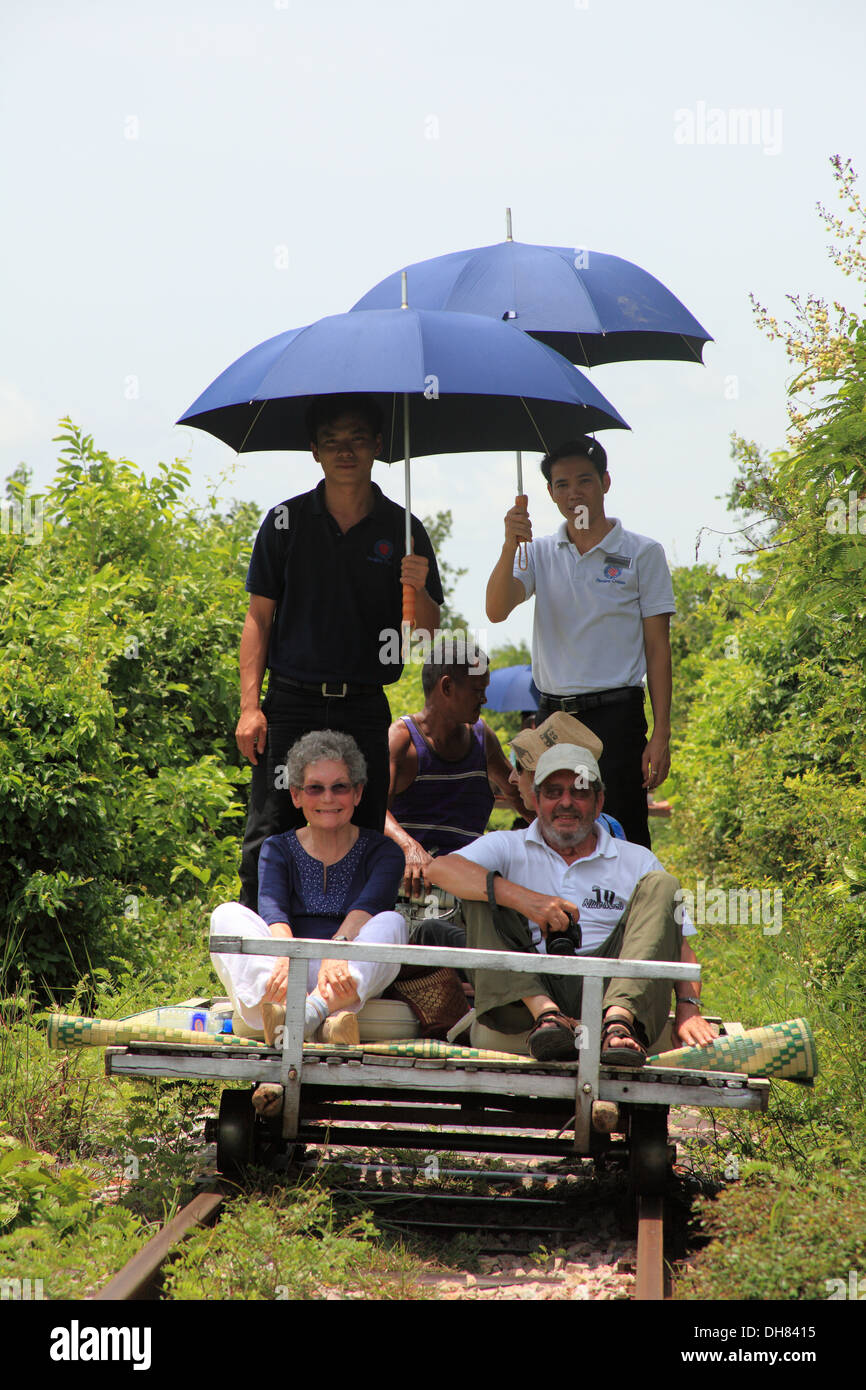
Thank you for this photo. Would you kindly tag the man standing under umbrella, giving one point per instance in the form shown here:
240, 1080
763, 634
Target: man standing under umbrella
602, 619
325, 592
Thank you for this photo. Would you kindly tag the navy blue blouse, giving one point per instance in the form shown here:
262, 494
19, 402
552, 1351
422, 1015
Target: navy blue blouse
315, 898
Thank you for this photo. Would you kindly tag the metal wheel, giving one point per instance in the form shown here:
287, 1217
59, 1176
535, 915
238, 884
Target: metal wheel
650, 1163
235, 1134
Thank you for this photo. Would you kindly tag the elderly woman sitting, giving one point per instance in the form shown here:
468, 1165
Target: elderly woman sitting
331, 880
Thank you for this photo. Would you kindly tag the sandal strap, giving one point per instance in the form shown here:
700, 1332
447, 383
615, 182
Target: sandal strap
624, 1029
553, 1013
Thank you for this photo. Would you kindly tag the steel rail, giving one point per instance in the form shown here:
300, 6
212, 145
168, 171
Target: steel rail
138, 1279
650, 1280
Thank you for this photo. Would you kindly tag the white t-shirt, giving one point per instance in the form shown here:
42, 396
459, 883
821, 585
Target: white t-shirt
587, 631
600, 884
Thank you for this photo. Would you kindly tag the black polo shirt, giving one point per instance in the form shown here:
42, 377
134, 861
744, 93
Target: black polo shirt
335, 593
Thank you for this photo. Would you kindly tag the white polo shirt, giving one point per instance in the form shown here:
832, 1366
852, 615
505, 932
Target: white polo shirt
600, 884
587, 631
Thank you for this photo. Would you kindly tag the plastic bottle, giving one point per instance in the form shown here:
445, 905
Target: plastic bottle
194, 1020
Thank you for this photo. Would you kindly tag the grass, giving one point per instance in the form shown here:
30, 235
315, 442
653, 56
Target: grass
290, 1243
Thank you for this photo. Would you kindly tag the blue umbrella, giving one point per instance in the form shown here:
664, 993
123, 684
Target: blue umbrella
472, 384
450, 383
512, 688
589, 306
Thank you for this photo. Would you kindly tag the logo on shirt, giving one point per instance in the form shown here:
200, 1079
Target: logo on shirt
382, 552
604, 900
613, 568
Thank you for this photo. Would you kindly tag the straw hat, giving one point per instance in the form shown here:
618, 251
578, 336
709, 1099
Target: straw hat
559, 727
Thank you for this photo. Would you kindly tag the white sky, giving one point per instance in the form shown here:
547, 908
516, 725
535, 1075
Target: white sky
186, 179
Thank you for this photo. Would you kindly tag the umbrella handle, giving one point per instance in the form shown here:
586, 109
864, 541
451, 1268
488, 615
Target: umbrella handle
522, 548
408, 621
409, 605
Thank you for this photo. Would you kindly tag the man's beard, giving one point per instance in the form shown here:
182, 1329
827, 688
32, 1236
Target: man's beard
566, 839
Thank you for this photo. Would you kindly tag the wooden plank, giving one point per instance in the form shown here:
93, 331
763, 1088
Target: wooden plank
374, 1076
528, 962
197, 1067
587, 1083
291, 1060
652, 1093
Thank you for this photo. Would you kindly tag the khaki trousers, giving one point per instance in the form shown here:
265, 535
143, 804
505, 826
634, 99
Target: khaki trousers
647, 930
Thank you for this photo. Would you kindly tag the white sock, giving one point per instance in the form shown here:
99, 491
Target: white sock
315, 1013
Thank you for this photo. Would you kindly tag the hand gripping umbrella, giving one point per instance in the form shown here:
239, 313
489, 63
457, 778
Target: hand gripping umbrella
589, 306
464, 382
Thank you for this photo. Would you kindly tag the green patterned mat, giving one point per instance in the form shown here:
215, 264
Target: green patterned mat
782, 1050
65, 1030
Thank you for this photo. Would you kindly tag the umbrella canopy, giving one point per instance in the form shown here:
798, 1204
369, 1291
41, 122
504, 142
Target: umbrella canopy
589, 306
471, 383
512, 688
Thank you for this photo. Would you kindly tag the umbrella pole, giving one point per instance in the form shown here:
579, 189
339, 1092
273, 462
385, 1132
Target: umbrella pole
408, 591
522, 549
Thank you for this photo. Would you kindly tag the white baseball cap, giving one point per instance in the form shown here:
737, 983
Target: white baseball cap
567, 757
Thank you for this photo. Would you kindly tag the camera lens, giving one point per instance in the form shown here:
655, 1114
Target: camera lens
560, 944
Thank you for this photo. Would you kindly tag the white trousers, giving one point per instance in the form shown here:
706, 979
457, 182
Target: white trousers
245, 978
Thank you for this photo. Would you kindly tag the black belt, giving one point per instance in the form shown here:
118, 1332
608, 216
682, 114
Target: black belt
575, 704
332, 690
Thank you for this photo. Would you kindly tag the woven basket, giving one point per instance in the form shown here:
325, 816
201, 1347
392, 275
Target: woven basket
435, 997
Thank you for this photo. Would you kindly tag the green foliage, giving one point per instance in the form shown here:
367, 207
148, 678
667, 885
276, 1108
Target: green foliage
769, 780
118, 769
773, 1237
438, 528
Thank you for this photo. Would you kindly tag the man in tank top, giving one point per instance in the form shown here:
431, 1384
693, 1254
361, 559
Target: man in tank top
443, 762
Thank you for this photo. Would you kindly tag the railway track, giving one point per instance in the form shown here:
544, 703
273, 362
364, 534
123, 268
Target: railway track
508, 1211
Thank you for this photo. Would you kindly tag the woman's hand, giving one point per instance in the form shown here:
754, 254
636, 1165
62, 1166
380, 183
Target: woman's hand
336, 985
275, 990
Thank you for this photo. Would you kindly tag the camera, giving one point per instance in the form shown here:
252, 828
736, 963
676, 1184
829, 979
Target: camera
565, 943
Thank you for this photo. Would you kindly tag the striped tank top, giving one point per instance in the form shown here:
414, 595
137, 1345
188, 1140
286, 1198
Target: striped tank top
449, 804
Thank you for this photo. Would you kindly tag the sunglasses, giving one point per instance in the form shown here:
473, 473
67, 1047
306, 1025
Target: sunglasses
316, 789
576, 788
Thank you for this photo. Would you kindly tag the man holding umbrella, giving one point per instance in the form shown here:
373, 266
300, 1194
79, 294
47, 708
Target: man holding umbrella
325, 584
602, 619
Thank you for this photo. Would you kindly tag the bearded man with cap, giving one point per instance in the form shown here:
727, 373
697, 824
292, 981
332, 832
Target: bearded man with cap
529, 744
520, 889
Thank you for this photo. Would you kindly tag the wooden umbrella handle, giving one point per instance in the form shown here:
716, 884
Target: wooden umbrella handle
409, 605
523, 546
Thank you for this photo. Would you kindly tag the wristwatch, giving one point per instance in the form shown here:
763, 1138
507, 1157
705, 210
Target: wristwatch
688, 999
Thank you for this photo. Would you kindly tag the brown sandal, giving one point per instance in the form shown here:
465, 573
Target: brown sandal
619, 1056
553, 1038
